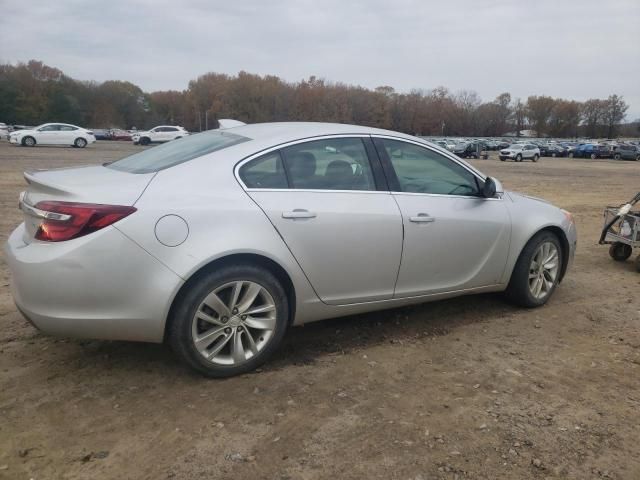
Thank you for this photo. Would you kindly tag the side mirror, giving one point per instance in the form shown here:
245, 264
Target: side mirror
491, 187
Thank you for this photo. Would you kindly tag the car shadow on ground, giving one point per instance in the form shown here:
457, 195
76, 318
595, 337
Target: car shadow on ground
306, 344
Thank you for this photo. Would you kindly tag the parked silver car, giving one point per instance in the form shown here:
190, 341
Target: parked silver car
218, 242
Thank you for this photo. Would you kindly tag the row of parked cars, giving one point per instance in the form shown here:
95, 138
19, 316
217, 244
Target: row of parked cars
79, 137
533, 149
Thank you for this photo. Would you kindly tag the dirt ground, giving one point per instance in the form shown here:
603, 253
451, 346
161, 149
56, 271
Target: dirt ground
465, 388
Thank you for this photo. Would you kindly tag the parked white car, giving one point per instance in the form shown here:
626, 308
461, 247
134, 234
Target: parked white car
160, 134
520, 152
53, 134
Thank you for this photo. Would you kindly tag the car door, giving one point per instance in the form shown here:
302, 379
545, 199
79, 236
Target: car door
170, 133
156, 134
48, 135
67, 134
328, 200
454, 239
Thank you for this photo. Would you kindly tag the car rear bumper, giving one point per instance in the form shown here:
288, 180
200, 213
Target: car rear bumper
100, 286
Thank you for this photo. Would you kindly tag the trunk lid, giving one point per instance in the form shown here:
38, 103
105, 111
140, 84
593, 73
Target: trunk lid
90, 184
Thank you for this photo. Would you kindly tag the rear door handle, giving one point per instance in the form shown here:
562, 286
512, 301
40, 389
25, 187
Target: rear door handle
299, 213
422, 218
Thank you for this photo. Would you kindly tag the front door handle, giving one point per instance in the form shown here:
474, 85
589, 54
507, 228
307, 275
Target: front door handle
299, 213
422, 218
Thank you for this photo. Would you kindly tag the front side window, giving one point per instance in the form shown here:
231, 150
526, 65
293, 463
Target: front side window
50, 128
266, 171
421, 170
329, 164
174, 153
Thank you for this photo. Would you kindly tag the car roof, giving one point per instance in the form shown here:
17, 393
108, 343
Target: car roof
277, 132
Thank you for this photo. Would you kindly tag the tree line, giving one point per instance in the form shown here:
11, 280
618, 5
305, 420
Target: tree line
33, 93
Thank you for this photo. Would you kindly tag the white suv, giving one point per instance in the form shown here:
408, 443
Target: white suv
160, 134
520, 151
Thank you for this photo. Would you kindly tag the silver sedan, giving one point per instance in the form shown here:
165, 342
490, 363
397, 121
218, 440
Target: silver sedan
218, 242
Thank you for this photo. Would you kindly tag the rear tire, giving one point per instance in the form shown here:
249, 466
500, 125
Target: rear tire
185, 322
554, 154
593, 156
616, 156
80, 143
620, 251
29, 142
526, 271
571, 155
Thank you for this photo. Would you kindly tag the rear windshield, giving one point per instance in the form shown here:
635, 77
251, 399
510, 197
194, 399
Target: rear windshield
177, 151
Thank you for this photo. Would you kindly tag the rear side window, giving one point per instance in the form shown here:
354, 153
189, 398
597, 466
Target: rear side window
177, 151
329, 164
266, 171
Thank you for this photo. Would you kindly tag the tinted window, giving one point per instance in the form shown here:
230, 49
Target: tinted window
330, 164
420, 170
50, 128
178, 151
264, 172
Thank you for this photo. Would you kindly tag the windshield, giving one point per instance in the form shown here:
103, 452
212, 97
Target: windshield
177, 151
516, 146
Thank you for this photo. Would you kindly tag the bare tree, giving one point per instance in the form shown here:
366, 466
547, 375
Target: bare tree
614, 112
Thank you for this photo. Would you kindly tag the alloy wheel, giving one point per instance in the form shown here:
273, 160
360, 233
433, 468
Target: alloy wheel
234, 323
543, 270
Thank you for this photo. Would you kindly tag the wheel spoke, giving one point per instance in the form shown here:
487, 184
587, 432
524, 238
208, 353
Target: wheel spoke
250, 341
249, 297
204, 340
538, 287
235, 294
262, 309
237, 349
219, 346
260, 323
208, 318
213, 301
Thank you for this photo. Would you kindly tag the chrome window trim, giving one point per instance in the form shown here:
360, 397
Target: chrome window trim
445, 153
253, 156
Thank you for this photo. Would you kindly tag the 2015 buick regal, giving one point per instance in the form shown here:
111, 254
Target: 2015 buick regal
218, 242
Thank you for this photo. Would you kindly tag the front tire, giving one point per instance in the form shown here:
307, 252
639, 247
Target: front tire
518, 158
571, 155
593, 156
616, 156
29, 142
80, 143
535, 158
230, 321
144, 141
537, 271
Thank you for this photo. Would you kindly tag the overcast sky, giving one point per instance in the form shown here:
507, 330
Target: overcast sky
575, 49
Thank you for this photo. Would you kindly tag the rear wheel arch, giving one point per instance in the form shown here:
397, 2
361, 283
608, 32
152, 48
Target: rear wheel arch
252, 259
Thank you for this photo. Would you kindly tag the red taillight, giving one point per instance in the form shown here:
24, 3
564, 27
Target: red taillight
84, 219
